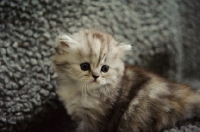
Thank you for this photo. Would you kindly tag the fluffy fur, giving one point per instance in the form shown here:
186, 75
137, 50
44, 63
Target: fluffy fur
123, 99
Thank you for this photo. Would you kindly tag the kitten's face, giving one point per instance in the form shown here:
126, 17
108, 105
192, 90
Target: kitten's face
90, 58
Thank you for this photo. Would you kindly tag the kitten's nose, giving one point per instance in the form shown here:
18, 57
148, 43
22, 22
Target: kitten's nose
95, 77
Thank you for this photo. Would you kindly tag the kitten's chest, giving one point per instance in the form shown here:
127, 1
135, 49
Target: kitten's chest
82, 103
85, 101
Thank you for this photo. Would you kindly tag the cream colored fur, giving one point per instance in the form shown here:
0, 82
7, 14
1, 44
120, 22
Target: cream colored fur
77, 88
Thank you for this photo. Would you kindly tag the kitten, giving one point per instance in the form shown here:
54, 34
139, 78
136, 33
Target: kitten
102, 94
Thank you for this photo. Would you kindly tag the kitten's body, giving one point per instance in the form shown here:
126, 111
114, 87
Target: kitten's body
124, 98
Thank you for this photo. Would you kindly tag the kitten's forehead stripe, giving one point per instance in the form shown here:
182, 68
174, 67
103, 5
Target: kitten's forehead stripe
92, 37
99, 36
88, 45
99, 60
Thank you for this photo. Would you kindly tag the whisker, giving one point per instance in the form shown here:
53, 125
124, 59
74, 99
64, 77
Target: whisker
82, 92
85, 88
106, 91
82, 86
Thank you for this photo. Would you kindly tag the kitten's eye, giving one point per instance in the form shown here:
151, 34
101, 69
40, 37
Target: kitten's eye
104, 68
85, 66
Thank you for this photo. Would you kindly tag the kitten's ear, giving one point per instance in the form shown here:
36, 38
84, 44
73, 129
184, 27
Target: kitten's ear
63, 42
125, 47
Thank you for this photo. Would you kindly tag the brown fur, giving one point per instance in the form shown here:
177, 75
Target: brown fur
152, 114
124, 99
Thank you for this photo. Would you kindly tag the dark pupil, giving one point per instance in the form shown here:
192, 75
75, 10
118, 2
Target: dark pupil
85, 66
104, 68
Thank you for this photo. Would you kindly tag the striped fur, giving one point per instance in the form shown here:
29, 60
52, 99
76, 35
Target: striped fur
124, 99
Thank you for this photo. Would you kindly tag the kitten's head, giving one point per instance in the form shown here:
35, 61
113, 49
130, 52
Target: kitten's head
90, 57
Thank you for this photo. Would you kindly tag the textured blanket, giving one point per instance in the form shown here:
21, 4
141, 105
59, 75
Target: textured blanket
164, 34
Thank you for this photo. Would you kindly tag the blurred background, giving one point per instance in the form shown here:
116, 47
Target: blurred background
165, 35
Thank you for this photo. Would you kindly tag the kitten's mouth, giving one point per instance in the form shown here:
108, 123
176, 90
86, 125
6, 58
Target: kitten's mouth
94, 81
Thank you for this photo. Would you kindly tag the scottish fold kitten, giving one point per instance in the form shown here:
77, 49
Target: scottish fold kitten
102, 94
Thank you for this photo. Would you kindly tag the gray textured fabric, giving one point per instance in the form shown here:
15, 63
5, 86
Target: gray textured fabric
164, 35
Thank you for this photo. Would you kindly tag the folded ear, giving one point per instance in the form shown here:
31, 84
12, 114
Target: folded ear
64, 42
125, 47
